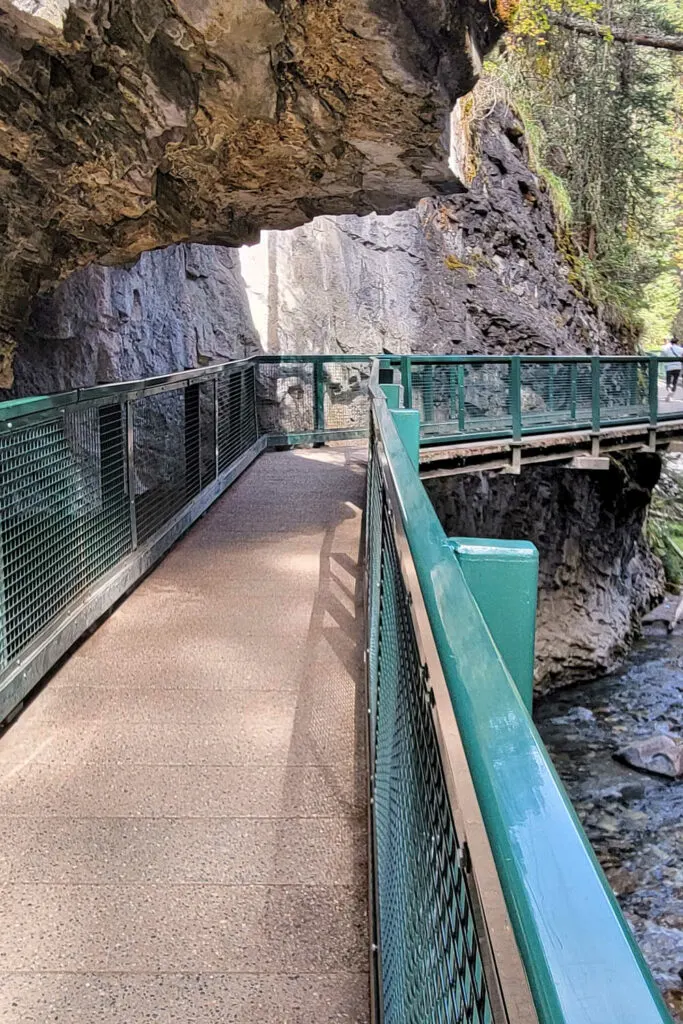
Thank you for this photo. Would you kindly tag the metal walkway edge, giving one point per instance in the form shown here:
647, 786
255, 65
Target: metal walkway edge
182, 808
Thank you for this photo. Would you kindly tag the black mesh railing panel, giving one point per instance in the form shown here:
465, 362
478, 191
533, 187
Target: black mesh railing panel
237, 425
430, 961
624, 390
346, 395
81, 487
555, 394
64, 516
462, 397
302, 397
165, 456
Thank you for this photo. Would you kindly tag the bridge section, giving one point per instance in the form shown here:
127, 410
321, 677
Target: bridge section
183, 809
183, 802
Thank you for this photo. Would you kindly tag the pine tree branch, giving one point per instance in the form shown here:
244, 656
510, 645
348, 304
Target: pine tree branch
621, 35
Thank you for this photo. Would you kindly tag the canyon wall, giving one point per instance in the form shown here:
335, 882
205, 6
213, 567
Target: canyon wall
479, 272
174, 309
474, 273
597, 576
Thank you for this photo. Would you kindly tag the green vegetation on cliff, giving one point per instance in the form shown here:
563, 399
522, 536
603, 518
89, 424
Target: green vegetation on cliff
664, 528
604, 119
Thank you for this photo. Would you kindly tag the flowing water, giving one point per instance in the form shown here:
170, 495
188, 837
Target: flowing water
633, 819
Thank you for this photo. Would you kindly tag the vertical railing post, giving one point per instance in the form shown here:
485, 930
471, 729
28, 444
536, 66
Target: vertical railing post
216, 434
653, 401
503, 577
319, 392
193, 458
428, 392
407, 381
254, 395
595, 396
573, 389
653, 389
452, 392
245, 409
461, 398
407, 423
516, 397
130, 466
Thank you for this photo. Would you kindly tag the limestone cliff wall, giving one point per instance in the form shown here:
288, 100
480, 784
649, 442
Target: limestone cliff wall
597, 575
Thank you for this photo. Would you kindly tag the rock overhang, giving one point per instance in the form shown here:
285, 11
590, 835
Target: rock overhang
128, 125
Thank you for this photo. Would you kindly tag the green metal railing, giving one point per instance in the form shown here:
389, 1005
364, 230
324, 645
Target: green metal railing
96, 484
437, 915
474, 397
313, 398
304, 399
430, 960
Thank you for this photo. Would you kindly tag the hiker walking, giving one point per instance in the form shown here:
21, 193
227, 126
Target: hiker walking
674, 351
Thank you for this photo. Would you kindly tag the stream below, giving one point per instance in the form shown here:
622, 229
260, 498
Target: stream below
633, 819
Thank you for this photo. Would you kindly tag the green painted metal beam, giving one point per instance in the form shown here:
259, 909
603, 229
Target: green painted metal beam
516, 397
407, 423
653, 389
503, 578
407, 381
394, 395
319, 402
595, 394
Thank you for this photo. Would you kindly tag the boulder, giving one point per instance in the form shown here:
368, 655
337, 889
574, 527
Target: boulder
661, 754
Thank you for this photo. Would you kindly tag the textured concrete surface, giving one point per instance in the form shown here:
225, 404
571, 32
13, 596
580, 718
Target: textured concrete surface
183, 804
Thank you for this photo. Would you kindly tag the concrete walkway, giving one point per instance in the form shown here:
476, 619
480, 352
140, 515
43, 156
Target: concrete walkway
182, 806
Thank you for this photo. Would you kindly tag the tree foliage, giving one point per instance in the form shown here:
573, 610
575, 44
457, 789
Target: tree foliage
605, 118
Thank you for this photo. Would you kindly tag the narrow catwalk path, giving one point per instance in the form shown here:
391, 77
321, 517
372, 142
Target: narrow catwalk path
182, 805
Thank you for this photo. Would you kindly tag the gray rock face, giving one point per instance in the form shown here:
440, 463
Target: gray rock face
597, 576
477, 272
173, 310
131, 125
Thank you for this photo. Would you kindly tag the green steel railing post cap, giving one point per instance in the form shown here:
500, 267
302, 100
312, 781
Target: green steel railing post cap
479, 547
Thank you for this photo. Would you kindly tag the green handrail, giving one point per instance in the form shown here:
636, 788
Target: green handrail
583, 964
